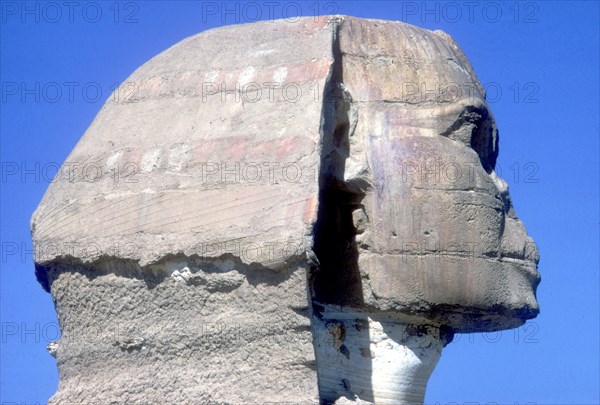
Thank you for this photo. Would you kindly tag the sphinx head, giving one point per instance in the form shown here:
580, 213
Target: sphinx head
329, 182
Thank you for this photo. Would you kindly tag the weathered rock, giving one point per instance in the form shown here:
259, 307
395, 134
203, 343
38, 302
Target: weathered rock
282, 211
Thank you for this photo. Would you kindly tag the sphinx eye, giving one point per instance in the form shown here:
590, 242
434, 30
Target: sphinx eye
475, 127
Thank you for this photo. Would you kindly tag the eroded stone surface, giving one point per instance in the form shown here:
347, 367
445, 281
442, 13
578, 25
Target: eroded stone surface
282, 211
135, 338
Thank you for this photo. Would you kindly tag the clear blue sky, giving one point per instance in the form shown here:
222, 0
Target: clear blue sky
540, 63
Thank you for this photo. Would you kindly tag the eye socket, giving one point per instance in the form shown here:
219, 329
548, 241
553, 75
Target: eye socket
475, 127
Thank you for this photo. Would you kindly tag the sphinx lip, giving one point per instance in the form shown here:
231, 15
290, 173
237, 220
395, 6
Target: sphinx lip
527, 266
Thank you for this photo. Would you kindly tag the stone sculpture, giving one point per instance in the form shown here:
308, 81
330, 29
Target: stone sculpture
295, 212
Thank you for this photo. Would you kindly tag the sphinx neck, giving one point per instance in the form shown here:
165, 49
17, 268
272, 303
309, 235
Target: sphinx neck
368, 359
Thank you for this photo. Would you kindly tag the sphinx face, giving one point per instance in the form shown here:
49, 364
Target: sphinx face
434, 232
442, 228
